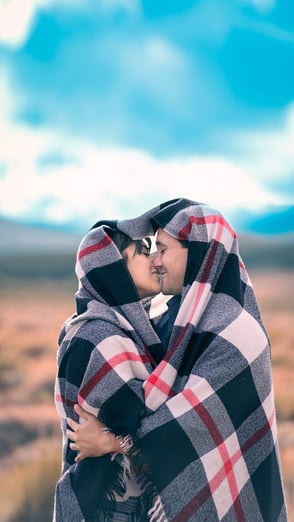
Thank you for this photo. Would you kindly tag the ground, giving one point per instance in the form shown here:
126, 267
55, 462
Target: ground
30, 318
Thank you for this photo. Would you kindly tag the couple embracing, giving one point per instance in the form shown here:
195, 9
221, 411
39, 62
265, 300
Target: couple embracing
167, 414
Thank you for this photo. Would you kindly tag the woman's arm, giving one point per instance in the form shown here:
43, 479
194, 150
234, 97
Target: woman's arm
92, 439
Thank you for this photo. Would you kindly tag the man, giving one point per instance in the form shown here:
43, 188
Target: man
209, 435
170, 261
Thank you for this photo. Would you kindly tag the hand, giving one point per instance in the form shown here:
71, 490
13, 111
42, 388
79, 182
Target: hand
88, 438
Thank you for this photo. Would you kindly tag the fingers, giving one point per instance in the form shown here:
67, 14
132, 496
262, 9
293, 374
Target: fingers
82, 413
73, 424
80, 455
71, 435
89, 438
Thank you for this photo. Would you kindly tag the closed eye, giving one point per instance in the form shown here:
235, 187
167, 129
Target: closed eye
145, 251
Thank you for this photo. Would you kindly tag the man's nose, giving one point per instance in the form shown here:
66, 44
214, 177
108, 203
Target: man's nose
156, 259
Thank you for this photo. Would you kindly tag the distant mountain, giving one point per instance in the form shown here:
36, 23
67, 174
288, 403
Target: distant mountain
31, 251
17, 238
261, 251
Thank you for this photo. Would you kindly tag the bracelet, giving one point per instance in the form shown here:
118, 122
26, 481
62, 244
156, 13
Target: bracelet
126, 443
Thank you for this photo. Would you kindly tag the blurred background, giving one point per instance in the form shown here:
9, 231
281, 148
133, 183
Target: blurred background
109, 107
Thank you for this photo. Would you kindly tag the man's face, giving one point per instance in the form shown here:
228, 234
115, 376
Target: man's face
170, 261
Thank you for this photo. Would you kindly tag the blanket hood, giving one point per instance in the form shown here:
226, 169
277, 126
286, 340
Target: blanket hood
102, 272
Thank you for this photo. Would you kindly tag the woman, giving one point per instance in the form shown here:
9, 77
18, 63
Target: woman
105, 353
208, 436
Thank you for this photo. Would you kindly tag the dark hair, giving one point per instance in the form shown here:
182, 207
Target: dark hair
184, 243
122, 241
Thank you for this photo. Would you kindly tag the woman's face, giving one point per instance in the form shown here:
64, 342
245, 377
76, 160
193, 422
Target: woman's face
141, 268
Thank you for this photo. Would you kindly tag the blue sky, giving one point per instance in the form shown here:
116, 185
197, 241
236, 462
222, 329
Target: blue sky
109, 107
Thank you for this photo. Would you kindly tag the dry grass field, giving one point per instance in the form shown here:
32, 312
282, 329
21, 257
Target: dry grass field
30, 317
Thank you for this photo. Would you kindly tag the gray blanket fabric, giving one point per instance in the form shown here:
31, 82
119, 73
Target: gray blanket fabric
203, 419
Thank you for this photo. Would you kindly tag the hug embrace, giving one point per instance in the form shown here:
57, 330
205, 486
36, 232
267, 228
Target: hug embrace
167, 412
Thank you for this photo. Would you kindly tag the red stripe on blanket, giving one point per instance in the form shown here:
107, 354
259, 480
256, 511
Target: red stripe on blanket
227, 471
155, 381
191, 508
63, 400
259, 434
93, 248
212, 252
108, 367
242, 264
155, 378
229, 462
204, 220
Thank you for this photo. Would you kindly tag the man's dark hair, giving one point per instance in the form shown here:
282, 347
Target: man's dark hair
184, 243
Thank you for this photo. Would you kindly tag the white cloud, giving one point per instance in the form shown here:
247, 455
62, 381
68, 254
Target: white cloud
93, 182
105, 183
16, 18
268, 154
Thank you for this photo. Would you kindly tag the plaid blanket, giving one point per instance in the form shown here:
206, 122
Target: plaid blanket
204, 417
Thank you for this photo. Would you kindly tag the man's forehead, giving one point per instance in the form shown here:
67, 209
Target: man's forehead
163, 238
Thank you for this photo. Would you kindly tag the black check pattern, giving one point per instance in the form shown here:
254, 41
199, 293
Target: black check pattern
203, 418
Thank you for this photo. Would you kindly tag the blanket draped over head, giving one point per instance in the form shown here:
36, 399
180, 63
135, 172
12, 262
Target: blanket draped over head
203, 419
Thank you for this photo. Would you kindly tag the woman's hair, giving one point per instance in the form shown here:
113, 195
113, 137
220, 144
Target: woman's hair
122, 241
